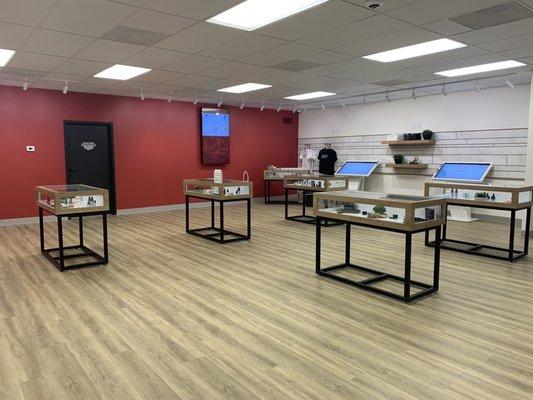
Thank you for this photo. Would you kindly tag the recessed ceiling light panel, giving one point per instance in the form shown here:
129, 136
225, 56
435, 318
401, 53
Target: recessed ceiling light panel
253, 14
121, 72
245, 87
416, 50
5, 56
307, 96
478, 69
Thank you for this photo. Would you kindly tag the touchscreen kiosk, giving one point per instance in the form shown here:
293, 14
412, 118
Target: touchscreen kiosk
361, 169
463, 172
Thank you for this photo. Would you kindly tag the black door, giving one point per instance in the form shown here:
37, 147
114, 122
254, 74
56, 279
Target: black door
89, 156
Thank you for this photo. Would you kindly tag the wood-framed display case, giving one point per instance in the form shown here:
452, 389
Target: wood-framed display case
398, 213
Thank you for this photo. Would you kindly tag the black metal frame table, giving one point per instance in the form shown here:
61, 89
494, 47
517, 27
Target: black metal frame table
512, 203
311, 184
348, 207
378, 276
268, 200
303, 217
213, 233
510, 253
59, 259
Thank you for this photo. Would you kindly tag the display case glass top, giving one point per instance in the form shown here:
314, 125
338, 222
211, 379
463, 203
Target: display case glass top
481, 195
316, 183
227, 190
72, 199
397, 211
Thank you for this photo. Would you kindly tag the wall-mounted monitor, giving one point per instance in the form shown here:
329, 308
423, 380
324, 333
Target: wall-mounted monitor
463, 172
215, 134
357, 168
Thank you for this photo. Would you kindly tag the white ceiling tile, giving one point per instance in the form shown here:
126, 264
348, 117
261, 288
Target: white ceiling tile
243, 46
154, 58
375, 69
97, 83
318, 19
426, 11
108, 51
527, 60
93, 18
13, 36
457, 54
519, 53
446, 27
38, 62
72, 78
198, 9
498, 32
157, 22
156, 76
82, 67
262, 73
361, 30
230, 69
326, 57
386, 6
340, 67
55, 43
286, 52
508, 44
25, 12
193, 64
189, 80
199, 37
388, 42
463, 62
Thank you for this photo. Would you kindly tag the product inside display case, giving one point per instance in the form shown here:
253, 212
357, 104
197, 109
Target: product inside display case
65, 199
379, 207
278, 173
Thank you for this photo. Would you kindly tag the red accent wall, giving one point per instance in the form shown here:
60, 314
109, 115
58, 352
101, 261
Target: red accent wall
157, 145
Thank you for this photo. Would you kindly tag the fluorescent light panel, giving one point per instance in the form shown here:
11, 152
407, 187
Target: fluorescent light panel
5, 56
307, 96
253, 14
121, 72
245, 87
477, 69
416, 50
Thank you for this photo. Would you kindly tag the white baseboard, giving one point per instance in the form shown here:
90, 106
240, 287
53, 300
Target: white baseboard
129, 211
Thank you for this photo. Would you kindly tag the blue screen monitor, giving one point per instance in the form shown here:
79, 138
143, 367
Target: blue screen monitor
215, 122
357, 168
463, 172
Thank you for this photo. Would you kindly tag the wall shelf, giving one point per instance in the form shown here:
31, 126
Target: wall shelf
409, 142
406, 166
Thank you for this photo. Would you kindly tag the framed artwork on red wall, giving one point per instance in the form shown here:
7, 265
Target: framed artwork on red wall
215, 135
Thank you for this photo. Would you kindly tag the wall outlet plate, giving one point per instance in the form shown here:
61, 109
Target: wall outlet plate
30, 149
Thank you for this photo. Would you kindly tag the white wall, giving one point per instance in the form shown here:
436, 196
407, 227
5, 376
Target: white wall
487, 126
499, 108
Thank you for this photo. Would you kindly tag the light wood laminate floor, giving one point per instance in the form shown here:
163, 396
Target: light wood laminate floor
173, 316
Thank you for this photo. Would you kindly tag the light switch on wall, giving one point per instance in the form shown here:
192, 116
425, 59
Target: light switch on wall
30, 149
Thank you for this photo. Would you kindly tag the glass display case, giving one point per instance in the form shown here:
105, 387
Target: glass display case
397, 211
72, 199
403, 214
479, 195
510, 198
227, 190
316, 183
278, 174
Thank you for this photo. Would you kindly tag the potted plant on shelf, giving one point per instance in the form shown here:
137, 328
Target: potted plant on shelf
379, 211
427, 134
398, 158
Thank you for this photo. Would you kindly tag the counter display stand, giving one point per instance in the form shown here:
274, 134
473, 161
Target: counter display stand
228, 191
312, 184
278, 175
72, 201
406, 215
506, 198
